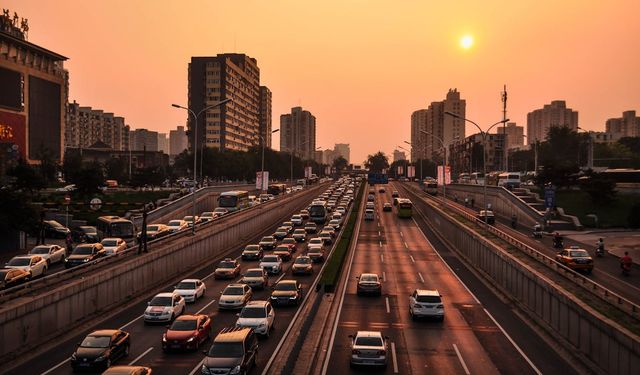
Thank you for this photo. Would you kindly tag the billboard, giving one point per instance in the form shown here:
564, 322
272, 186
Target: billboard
411, 171
307, 172
45, 117
13, 130
400, 170
262, 180
444, 175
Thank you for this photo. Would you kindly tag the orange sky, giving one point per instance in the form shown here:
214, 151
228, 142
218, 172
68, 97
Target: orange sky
361, 67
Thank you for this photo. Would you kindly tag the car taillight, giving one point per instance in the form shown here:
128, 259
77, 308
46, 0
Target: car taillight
355, 351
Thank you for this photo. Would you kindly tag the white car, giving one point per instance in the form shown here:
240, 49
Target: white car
113, 245
190, 289
164, 307
51, 253
220, 211
296, 220
207, 216
316, 242
369, 348
272, 264
67, 189
176, 225
341, 210
235, 296
34, 264
369, 214
258, 315
426, 303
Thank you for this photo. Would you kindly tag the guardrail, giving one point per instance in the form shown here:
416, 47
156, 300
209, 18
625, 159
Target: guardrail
594, 288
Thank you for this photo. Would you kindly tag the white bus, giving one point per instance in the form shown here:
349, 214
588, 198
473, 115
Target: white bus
509, 180
318, 212
476, 178
234, 200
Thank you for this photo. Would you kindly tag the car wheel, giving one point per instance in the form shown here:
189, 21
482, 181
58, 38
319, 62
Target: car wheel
48, 262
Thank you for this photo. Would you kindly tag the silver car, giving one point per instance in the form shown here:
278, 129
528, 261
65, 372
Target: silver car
369, 348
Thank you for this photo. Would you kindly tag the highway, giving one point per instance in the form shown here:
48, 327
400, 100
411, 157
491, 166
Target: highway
479, 335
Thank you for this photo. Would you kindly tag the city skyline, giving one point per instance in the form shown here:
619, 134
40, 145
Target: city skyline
567, 57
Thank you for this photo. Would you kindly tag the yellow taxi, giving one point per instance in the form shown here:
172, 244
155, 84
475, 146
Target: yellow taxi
575, 258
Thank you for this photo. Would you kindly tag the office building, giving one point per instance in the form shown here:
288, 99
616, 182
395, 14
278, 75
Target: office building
86, 126
178, 141
235, 125
163, 143
298, 133
626, 126
551, 115
515, 134
265, 115
136, 159
418, 138
343, 149
33, 96
465, 155
399, 155
143, 139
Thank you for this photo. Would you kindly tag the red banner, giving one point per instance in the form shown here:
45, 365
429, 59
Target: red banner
13, 130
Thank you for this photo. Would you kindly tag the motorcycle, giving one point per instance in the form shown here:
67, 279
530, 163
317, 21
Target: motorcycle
600, 250
626, 269
558, 243
537, 231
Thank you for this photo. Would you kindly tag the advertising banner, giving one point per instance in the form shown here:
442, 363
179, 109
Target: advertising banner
411, 171
13, 130
258, 180
327, 170
307, 172
447, 174
400, 170
262, 180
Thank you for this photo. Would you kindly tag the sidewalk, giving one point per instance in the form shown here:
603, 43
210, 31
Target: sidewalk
616, 241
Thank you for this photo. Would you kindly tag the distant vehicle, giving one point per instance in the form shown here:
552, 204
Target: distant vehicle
476, 178
155, 231
405, 208
115, 226
84, 253
369, 283
335, 224
112, 184
509, 180
377, 178
326, 237
369, 214
302, 265
228, 268
233, 348
368, 348
301, 181
287, 292
304, 214
576, 258
234, 200
281, 233
283, 251
318, 212
67, 189
431, 187
291, 242
296, 220
272, 264
426, 303
100, 349
10, 277
268, 242
51, 253
220, 211
34, 265
235, 296
371, 198
256, 278
381, 190
187, 332
190, 289
486, 216
264, 198
387, 207
276, 189
53, 229
176, 225
86, 234
252, 252
164, 307
189, 220
395, 194
113, 245
128, 370
259, 316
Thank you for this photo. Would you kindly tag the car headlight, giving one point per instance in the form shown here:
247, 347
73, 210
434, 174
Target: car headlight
164, 338
73, 357
191, 339
205, 370
294, 297
274, 297
85, 260
101, 358
235, 370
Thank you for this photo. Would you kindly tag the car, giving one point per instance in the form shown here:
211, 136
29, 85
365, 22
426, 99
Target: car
304, 214
176, 225
164, 307
220, 211
302, 265
259, 316
86, 234
268, 242
67, 189
128, 370
296, 220
369, 348
316, 253
283, 252
207, 216
395, 194
113, 245
99, 349
487, 216
310, 227
264, 198
51, 253
335, 224
155, 231
341, 210
190, 220
395, 201
369, 283
187, 332
272, 264
371, 198
256, 278
300, 235
426, 303
234, 296
281, 233
369, 214
370, 206
381, 190
288, 225
252, 252
326, 237
53, 229
84, 253
576, 258
233, 351
190, 289
291, 242
10, 277
286, 292
330, 230
387, 207
228, 268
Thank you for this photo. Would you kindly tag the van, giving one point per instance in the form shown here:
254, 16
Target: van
233, 351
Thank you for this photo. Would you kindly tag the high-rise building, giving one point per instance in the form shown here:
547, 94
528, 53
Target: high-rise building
626, 126
235, 125
328, 156
465, 155
399, 155
86, 126
343, 149
143, 139
34, 90
551, 115
178, 141
163, 143
438, 126
265, 115
515, 134
298, 133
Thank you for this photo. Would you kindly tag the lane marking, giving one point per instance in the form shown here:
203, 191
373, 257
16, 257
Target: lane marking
401, 235
379, 234
281, 276
209, 275
56, 366
412, 260
197, 368
405, 245
387, 301
384, 276
464, 365
140, 356
421, 278
128, 324
393, 356
205, 306
381, 258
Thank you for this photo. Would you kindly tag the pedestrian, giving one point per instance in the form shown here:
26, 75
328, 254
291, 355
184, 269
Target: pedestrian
473, 201
69, 242
466, 201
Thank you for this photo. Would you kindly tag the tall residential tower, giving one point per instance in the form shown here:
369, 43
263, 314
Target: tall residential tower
298, 133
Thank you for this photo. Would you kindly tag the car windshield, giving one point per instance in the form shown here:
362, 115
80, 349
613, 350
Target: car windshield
207, 214
252, 247
315, 241
299, 231
227, 201
96, 342
267, 239
184, 325
369, 341
253, 312
303, 261
254, 273
153, 228
285, 286
89, 230
312, 225
296, 217
226, 350
220, 210
282, 248
188, 218
368, 278
578, 253
55, 224
124, 229
175, 223
83, 250
233, 291
270, 259
109, 243
227, 264
160, 301
289, 241
40, 250
186, 285
19, 262
428, 299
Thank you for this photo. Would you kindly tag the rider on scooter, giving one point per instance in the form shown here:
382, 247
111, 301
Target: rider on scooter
625, 262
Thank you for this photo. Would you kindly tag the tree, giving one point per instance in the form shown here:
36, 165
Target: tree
377, 162
116, 169
27, 178
600, 189
16, 213
634, 216
89, 179
340, 163
72, 165
151, 176
561, 156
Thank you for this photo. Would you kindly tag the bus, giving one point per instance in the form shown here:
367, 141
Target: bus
476, 178
509, 180
431, 186
116, 226
318, 212
234, 200
405, 208
276, 189
377, 178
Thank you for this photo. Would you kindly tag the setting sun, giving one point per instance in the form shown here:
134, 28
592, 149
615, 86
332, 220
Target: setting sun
466, 42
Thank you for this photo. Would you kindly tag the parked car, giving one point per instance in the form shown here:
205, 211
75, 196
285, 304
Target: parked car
10, 277
258, 315
369, 348
369, 283
256, 278
100, 349
302, 265
426, 303
287, 292
576, 258
190, 289
187, 332
84, 253
113, 245
164, 307
272, 264
234, 296
51, 253
228, 268
252, 252
53, 229
234, 350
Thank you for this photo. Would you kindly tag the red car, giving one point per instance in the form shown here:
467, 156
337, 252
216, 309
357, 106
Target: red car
187, 332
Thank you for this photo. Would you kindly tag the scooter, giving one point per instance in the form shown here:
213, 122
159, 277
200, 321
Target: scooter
558, 243
599, 250
626, 269
537, 231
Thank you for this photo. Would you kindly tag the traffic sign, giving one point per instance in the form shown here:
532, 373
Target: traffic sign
67, 199
95, 204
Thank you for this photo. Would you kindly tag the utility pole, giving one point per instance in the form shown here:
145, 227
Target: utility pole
505, 142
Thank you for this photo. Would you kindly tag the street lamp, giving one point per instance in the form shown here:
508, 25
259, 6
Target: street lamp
484, 152
444, 163
411, 144
262, 167
195, 149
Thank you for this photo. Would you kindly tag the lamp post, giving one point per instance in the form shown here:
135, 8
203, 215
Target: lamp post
262, 163
411, 144
444, 163
484, 153
195, 150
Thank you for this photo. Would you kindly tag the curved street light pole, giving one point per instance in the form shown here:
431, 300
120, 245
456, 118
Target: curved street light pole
444, 164
262, 163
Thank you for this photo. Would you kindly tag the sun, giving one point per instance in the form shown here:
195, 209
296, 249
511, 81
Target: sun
466, 42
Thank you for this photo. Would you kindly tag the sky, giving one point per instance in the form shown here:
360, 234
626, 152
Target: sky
361, 67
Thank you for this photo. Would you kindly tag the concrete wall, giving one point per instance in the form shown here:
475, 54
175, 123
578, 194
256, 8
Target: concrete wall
29, 321
602, 343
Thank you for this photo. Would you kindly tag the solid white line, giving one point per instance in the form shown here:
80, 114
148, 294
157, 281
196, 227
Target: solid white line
381, 258
128, 324
380, 243
421, 278
205, 306
209, 275
56, 367
412, 260
401, 235
464, 365
140, 356
197, 368
393, 356
405, 245
387, 301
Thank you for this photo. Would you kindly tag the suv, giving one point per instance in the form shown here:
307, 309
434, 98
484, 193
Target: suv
427, 303
369, 214
234, 351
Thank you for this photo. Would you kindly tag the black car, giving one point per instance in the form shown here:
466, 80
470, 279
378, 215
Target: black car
234, 351
387, 207
85, 234
155, 231
100, 349
487, 216
287, 292
84, 253
12, 276
53, 229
